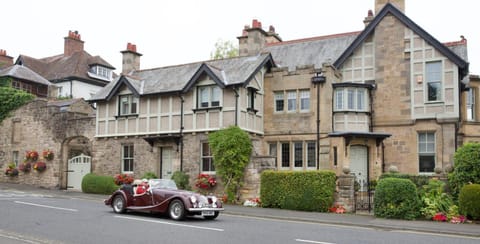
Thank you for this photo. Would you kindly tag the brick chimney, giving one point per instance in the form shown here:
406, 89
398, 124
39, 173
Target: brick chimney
400, 4
73, 43
254, 39
5, 60
130, 59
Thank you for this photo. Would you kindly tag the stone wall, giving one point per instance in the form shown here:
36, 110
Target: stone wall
38, 126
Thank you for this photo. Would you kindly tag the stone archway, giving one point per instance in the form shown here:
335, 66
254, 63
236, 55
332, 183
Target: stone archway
72, 147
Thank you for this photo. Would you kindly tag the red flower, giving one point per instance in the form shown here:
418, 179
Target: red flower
205, 181
121, 179
48, 154
31, 155
440, 217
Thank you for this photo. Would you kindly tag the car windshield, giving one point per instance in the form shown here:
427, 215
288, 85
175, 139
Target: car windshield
162, 183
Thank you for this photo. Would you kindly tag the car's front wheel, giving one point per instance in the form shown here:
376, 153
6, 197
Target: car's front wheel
118, 204
176, 210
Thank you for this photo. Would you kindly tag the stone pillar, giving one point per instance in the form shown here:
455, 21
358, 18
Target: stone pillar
345, 195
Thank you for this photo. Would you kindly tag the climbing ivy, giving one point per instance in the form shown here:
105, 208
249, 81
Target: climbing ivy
231, 149
11, 98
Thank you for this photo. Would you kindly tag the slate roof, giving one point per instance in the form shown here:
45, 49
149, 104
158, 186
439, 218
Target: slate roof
60, 67
23, 73
312, 51
181, 78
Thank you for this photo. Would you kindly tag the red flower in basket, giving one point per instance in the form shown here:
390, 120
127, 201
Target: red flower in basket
121, 179
40, 166
48, 154
205, 181
25, 167
31, 155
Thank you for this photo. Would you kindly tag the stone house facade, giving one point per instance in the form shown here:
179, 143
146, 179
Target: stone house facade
388, 95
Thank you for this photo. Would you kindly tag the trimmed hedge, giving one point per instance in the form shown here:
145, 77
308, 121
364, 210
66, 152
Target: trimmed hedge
466, 168
469, 201
182, 180
98, 184
418, 180
306, 191
396, 198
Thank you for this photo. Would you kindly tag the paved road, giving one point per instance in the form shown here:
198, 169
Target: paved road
44, 218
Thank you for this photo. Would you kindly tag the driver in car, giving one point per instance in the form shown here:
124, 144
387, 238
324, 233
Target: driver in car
142, 187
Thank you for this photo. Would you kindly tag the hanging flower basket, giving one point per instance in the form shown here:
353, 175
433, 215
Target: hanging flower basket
121, 179
11, 170
48, 154
205, 182
31, 156
40, 166
25, 167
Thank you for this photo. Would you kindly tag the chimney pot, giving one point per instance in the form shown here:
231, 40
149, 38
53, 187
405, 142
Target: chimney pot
370, 13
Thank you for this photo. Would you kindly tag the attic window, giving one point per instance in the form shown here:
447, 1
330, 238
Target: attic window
208, 96
128, 105
100, 72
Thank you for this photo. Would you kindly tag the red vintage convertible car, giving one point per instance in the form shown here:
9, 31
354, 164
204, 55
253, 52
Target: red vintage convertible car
163, 196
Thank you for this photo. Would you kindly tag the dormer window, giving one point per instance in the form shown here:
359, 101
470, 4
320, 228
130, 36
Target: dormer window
208, 96
100, 72
128, 105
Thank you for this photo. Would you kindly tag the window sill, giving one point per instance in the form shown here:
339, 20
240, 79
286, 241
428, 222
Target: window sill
252, 110
434, 102
126, 116
206, 109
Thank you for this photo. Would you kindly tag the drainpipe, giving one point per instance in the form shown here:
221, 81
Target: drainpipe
236, 105
180, 143
318, 79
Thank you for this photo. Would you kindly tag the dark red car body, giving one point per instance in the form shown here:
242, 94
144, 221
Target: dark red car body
164, 197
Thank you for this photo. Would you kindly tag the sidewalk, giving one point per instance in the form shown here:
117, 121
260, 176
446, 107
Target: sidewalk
354, 220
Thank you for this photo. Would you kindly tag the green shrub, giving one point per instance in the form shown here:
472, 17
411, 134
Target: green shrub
98, 184
469, 201
396, 198
149, 175
418, 180
434, 199
306, 191
182, 180
466, 168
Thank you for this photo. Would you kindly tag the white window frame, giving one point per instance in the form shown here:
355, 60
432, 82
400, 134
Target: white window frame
128, 104
206, 157
471, 104
426, 147
292, 101
304, 100
311, 150
285, 156
298, 154
209, 96
279, 97
128, 158
351, 99
433, 76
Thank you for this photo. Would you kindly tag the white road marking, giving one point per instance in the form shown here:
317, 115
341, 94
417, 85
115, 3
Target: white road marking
46, 206
19, 239
317, 242
168, 223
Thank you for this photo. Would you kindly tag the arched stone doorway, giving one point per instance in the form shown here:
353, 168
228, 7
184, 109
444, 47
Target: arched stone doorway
72, 147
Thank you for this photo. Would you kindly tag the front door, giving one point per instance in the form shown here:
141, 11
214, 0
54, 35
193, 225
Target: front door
166, 165
358, 165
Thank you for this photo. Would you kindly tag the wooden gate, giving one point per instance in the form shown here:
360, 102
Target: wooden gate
78, 167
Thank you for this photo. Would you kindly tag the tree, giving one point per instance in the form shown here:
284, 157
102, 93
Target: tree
224, 49
231, 149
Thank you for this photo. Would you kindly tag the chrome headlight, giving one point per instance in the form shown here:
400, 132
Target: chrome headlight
193, 199
214, 201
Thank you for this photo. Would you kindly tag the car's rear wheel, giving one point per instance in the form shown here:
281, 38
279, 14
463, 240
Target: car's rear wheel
176, 210
214, 216
118, 204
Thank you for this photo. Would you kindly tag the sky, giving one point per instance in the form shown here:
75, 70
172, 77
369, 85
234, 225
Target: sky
172, 32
